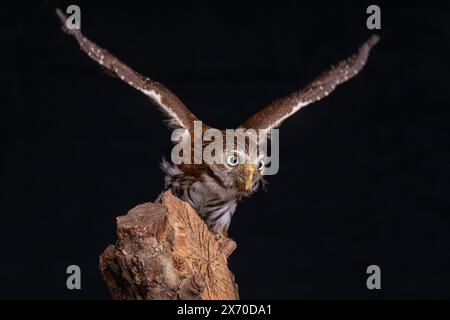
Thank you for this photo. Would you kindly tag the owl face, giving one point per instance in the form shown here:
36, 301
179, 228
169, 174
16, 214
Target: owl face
240, 170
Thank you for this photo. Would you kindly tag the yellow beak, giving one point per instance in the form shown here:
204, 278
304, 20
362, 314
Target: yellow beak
249, 170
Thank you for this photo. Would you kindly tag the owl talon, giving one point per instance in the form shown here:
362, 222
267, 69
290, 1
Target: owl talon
226, 245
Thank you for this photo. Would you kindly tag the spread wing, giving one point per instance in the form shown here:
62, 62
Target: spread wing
275, 113
179, 115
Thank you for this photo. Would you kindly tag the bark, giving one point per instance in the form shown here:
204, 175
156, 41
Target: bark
164, 250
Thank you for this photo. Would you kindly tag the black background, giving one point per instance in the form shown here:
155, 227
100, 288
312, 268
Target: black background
364, 174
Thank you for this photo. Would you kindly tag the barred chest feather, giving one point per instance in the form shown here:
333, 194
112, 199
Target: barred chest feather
213, 201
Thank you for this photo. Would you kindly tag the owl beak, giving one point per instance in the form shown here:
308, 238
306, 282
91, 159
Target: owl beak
249, 171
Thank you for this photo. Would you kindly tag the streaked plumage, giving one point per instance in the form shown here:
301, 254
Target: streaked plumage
214, 190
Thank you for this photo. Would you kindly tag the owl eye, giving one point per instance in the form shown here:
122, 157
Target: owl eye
261, 165
232, 160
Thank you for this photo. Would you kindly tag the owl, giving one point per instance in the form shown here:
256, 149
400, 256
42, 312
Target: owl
214, 190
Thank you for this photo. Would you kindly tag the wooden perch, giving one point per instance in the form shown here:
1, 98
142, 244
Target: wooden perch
164, 250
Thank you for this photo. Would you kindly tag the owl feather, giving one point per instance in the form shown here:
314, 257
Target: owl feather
213, 190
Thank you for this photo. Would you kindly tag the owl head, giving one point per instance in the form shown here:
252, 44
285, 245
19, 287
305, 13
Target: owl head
241, 169
235, 159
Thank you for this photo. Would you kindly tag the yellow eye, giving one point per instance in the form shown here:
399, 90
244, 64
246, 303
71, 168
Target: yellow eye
232, 160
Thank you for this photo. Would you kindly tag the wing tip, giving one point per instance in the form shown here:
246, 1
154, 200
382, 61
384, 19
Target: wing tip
63, 19
61, 15
373, 40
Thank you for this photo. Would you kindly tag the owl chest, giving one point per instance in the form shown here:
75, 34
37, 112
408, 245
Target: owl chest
206, 197
212, 202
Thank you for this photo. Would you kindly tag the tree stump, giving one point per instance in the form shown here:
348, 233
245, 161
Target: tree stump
164, 250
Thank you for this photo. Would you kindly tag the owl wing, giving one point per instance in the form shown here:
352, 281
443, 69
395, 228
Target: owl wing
275, 113
179, 115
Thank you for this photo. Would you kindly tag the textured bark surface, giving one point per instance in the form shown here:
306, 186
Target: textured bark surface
165, 251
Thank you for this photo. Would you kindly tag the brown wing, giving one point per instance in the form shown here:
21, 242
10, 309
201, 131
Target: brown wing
276, 112
179, 114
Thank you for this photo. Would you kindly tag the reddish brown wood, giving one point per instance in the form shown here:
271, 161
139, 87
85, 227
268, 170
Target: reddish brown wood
165, 251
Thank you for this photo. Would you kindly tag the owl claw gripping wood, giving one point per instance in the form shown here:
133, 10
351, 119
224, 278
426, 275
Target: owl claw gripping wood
213, 190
